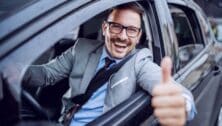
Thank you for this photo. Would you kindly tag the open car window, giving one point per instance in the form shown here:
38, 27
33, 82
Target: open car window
90, 29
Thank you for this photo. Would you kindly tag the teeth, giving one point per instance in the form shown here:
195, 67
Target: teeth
120, 45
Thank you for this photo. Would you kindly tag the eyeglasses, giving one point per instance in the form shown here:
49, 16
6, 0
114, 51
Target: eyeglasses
117, 28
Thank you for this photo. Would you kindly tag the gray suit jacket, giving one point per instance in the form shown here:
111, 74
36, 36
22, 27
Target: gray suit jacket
79, 64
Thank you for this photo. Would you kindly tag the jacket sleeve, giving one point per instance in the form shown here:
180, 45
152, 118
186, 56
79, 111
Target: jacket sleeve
50, 73
148, 73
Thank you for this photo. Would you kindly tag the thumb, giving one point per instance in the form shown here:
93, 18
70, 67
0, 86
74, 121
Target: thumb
166, 66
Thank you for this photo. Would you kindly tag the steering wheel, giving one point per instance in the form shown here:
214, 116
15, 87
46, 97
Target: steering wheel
36, 107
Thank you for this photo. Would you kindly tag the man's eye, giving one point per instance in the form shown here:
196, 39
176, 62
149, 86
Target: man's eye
132, 30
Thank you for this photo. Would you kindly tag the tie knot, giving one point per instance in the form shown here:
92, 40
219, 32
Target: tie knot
108, 62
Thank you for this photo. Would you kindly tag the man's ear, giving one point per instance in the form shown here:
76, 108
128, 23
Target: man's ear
104, 27
139, 36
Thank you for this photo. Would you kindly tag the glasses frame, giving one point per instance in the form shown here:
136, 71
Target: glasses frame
123, 27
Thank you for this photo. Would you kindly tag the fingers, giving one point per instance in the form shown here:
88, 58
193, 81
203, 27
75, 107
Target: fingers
169, 89
168, 101
172, 121
166, 66
164, 113
170, 110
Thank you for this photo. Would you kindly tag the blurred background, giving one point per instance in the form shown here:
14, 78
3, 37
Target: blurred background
213, 9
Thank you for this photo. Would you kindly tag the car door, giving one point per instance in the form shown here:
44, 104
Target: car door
197, 68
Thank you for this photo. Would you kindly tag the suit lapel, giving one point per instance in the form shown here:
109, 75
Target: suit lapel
91, 68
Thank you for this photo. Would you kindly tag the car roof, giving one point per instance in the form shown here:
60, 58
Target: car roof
8, 7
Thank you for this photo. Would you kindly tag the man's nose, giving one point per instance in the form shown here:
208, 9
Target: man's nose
123, 35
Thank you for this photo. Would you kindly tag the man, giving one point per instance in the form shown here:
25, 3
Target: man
122, 31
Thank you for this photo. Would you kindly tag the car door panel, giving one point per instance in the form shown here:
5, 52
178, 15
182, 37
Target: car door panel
206, 99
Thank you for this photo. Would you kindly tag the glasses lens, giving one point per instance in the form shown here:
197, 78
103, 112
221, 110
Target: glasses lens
132, 31
115, 28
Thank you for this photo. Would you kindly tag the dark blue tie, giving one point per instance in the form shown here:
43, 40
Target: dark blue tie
95, 82
108, 62
102, 70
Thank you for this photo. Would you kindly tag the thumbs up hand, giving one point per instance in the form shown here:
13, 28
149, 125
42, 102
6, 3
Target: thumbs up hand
168, 102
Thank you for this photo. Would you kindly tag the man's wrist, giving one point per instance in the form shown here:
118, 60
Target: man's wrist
190, 108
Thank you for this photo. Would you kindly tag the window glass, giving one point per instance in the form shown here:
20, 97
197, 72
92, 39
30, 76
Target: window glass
183, 29
188, 33
205, 26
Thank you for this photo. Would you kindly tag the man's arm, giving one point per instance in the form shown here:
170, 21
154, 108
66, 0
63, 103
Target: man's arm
50, 73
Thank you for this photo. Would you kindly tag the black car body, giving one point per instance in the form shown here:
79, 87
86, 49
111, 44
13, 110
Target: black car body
40, 30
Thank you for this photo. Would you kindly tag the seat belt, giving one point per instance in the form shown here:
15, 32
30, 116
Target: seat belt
97, 83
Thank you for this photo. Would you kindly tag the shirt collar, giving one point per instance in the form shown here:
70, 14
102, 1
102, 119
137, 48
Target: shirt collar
106, 54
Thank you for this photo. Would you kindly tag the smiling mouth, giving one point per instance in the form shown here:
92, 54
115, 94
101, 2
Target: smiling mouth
120, 47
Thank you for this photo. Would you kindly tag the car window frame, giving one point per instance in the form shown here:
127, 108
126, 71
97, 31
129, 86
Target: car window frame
197, 31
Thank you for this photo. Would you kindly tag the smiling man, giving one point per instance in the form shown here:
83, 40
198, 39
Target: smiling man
83, 63
122, 32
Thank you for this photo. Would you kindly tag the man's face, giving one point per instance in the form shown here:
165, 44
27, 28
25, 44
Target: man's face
120, 43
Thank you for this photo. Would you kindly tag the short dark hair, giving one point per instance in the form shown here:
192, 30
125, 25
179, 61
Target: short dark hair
132, 6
